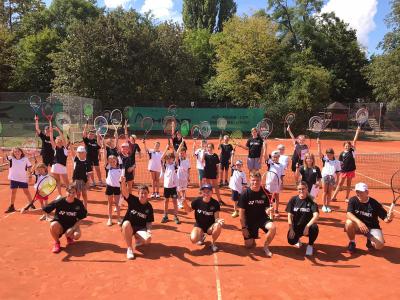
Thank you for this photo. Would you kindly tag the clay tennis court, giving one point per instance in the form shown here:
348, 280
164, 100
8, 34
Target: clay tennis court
172, 268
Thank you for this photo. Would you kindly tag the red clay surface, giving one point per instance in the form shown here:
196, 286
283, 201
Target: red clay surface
172, 268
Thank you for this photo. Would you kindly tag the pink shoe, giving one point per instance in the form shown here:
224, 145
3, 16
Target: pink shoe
56, 248
70, 241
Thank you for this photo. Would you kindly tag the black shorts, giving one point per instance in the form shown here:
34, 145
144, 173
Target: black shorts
170, 193
93, 161
128, 176
224, 165
235, 196
253, 228
47, 160
64, 227
203, 227
113, 190
210, 175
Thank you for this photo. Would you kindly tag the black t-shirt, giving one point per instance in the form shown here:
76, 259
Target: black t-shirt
111, 151
67, 214
204, 212
347, 161
255, 146
92, 148
302, 210
138, 214
81, 168
59, 156
211, 162
254, 204
299, 151
176, 143
310, 175
226, 152
133, 148
368, 212
127, 162
47, 149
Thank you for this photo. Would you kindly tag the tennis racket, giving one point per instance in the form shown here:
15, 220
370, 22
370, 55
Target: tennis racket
236, 136
316, 124
45, 188
169, 124
101, 125
116, 118
195, 132
221, 124
185, 128
35, 102
265, 128
147, 125
63, 121
48, 110
173, 110
362, 116
395, 185
289, 119
128, 113
107, 114
205, 129
88, 111
270, 180
30, 149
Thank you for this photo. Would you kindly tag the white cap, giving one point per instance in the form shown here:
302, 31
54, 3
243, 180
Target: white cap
125, 145
362, 187
276, 153
81, 149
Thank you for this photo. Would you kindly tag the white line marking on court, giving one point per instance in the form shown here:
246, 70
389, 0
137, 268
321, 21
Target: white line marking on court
218, 281
373, 179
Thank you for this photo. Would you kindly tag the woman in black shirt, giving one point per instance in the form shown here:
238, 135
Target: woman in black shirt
310, 174
211, 162
46, 152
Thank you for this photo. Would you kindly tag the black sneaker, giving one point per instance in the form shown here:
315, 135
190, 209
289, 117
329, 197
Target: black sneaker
10, 209
351, 248
369, 245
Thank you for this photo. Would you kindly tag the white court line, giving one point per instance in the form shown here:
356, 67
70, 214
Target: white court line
373, 179
218, 281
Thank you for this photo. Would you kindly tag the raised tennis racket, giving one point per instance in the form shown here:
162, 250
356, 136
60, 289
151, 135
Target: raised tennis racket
362, 116
185, 128
270, 180
101, 125
236, 136
316, 124
221, 124
128, 113
169, 125
116, 118
48, 110
35, 103
63, 121
88, 111
107, 114
195, 132
44, 188
147, 125
173, 110
289, 119
395, 185
205, 129
265, 128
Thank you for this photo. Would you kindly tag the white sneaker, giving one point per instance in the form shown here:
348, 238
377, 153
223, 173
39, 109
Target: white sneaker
43, 217
58, 197
298, 244
153, 195
180, 203
109, 222
328, 209
201, 242
309, 250
267, 252
129, 254
324, 209
119, 221
157, 196
115, 209
214, 248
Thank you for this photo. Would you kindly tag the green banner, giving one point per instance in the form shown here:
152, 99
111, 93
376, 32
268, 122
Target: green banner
237, 118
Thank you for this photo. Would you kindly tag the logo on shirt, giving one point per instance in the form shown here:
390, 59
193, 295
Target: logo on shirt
206, 213
256, 202
363, 213
139, 214
302, 209
67, 213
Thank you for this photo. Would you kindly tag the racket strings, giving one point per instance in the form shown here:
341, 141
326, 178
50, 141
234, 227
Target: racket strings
221, 123
205, 129
195, 132
290, 117
147, 123
185, 128
116, 117
395, 182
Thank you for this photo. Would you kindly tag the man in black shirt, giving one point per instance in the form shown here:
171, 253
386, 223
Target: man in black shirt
92, 144
206, 213
302, 217
255, 146
47, 151
254, 206
138, 219
362, 217
69, 212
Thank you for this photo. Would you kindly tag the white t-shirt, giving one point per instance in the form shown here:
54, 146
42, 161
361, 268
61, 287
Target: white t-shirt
39, 178
18, 168
284, 161
330, 167
155, 160
273, 183
113, 176
237, 180
199, 153
170, 176
183, 167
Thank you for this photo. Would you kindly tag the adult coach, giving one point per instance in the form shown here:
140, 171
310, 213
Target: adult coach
138, 218
302, 217
206, 213
254, 206
69, 212
254, 145
362, 217
47, 151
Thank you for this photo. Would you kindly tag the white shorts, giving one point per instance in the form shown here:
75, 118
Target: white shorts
378, 234
144, 234
58, 169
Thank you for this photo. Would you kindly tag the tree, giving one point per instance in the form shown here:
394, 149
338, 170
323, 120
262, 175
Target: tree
207, 14
391, 40
6, 57
13, 11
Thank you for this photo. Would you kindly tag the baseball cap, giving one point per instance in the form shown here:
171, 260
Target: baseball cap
275, 153
133, 136
330, 150
125, 145
361, 187
239, 162
81, 149
206, 187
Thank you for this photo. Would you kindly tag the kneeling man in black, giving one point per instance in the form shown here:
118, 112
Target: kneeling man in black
302, 217
254, 208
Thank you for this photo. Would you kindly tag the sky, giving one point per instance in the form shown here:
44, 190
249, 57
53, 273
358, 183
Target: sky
366, 16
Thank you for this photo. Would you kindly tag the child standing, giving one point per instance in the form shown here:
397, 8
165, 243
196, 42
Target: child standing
113, 190
154, 167
82, 168
170, 184
236, 183
183, 174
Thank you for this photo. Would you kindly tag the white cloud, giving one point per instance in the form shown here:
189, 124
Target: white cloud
358, 13
116, 3
161, 9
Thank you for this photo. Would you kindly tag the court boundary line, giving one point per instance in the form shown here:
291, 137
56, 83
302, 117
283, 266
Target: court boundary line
373, 179
217, 279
